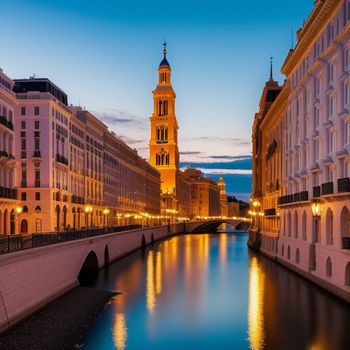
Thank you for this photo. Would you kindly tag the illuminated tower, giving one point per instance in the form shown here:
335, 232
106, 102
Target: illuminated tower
164, 152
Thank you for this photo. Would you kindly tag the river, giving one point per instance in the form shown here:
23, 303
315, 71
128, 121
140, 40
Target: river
209, 291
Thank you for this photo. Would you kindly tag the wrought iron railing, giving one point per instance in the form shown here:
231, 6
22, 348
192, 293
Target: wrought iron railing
14, 243
327, 188
344, 185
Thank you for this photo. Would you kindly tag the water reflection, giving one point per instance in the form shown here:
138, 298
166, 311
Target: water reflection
210, 292
256, 306
120, 332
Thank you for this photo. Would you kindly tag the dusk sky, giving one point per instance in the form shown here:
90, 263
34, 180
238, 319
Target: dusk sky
105, 55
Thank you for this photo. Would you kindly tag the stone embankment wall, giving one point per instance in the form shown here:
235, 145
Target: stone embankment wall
30, 279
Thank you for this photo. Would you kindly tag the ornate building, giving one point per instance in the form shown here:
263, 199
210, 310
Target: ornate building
266, 143
164, 150
311, 121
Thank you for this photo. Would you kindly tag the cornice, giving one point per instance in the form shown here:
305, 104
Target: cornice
314, 26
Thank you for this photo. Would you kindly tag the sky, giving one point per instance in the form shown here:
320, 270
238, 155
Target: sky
105, 54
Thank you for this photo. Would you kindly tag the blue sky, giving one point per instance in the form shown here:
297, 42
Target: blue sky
105, 55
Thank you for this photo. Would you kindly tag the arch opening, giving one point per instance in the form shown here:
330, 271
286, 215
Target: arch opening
89, 270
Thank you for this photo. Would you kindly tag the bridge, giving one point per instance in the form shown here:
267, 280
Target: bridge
36, 270
212, 224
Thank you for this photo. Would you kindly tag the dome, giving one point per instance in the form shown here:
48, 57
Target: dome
164, 63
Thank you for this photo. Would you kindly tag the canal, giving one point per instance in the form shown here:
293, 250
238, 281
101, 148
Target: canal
209, 291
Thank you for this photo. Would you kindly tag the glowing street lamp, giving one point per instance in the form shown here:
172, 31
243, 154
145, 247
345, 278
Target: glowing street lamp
316, 210
19, 211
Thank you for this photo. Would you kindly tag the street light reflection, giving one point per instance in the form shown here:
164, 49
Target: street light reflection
256, 330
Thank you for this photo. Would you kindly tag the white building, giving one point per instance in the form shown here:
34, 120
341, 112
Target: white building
315, 207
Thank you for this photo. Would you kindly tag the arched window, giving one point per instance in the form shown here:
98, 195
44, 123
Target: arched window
347, 275
162, 158
329, 227
24, 226
162, 134
329, 267
38, 209
288, 253
304, 225
296, 226
25, 209
282, 251
289, 224
12, 222
345, 223
297, 256
57, 211
162, 107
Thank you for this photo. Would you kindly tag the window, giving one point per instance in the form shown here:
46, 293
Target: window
37, 144
330, 141
23, 111
330, 107
329, 227
162, 158
346, 133
330, 73
162, 134
23, 124
37, 196
23, 144
24, 196
36, 110
345, 59
37, 124
162, 107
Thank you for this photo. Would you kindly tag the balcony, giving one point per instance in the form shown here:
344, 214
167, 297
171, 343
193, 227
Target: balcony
77, 200
346, 242
10, 193
37, 183
23, 184
327, 188
316, 191
344, 185
304, 196
61, 159
270, 212
37, 154
6, 123
296, 197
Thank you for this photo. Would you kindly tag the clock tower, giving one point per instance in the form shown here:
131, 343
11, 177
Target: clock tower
164, 151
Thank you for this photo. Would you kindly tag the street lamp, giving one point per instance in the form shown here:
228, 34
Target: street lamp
105, 213
19, 211
316, 213
87, 209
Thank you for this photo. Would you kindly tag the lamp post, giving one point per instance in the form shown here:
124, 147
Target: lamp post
316, 213
19, 211
87, 209
106, 213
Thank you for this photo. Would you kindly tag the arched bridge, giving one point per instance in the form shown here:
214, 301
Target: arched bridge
210, 225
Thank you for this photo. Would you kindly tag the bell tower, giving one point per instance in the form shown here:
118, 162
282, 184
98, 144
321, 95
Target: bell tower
164, 151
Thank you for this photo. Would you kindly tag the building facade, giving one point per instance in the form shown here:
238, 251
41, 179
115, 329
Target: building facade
205, 194
315, 208
72, 172
267, 150
164, 150
314, 137
8, 192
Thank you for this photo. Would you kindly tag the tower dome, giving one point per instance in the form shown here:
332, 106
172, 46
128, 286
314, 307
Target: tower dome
164, 62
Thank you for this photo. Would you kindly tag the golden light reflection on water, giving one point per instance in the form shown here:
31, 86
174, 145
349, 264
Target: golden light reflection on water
256, 330
153, 279
120, 332
223, 249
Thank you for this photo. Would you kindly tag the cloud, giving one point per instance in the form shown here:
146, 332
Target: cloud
190, 153
224, 171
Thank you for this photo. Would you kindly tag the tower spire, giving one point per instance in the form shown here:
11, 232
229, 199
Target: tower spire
271, 69
164, 51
